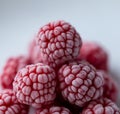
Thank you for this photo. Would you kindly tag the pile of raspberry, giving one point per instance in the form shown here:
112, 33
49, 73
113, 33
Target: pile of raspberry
60, 74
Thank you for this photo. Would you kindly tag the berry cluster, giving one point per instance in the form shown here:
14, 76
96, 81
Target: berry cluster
60, 75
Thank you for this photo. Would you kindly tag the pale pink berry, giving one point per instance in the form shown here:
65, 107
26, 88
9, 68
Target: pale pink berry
54, 110
10, 105
10, 69
110, 87
34, 52
79, 83
101, 106
58, 42
35, 85
95, 54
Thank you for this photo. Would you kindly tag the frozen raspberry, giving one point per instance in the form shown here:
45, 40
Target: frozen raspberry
101, 106
80, 83
54, 110
35, 85
10, 69
58, 42
94, 54
110, 87
59, 101
34, 52
10, 105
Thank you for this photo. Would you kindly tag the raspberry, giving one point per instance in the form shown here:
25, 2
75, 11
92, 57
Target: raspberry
94, 54
110, 87
80, 83
101, 106
10, 105
54, 110
59, 101
10, 69
35, 85
34, 52
58, 42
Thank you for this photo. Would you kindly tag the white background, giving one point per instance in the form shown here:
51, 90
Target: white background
95, 20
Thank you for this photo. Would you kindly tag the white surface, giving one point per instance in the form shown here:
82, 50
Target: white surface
95, 20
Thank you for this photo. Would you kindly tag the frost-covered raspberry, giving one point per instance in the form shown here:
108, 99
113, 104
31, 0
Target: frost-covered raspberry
101, 106
10, 69
110, 87
80, 83
60, 101
35, 85
54, 110
10, 105
34, 52
94, 54
58, 42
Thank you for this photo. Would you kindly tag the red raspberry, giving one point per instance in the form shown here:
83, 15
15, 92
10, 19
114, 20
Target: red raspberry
58, 42
10, 105
101, 106
35, 85
54, 110
110, 87
80, 83
60, 101
34, 52
94, 54
11, 67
